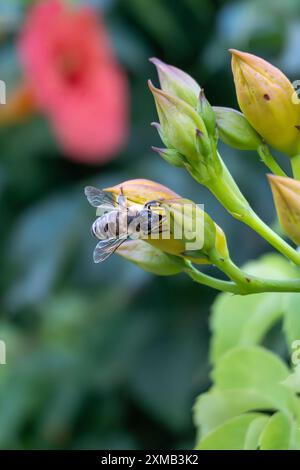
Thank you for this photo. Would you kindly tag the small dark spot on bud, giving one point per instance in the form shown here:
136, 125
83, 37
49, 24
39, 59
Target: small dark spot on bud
247, 279
267, 97
199, 133
298, 127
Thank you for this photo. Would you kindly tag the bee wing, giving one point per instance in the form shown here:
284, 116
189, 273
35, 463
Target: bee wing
107, 247
98, 198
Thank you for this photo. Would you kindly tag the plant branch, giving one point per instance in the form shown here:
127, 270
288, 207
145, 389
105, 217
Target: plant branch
270, 162
204, 279
249, 284
228, 193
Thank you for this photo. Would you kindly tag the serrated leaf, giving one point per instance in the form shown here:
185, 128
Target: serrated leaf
293, 380
256, 369
217, 406
277, 433
245, 320
254, 431
229, 436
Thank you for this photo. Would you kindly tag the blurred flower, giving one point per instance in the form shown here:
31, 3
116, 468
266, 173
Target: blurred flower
286, 193
76, 81
266, 97
235, 130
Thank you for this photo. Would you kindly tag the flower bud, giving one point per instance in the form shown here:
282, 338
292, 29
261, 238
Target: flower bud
235, 130
151, 259
286, 193
141, 191
266, 97
171, 156
177, 83
179, 123
182, 129
208, 114
187, 231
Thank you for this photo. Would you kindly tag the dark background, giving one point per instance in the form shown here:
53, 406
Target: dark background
108, 356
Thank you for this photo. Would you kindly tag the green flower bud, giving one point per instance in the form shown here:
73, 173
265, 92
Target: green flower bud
150, 258
235, 130
177, 83
171, 156
179, 122
208, 115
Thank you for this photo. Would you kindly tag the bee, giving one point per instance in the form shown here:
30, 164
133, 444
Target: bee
118, 222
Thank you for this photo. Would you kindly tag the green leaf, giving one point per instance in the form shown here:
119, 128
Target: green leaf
230, 435
256, 369
277, 433
242, 320
293, 380
217, 406
254, 431
245, 320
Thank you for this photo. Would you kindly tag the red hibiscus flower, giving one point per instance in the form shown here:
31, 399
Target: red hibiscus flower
75, 79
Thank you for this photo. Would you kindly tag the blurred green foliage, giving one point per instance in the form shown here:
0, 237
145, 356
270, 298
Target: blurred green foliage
109, 356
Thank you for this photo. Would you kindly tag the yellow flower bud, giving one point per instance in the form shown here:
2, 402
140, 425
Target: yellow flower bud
286, 193
151, 259
267, 99
187, 231
140, 191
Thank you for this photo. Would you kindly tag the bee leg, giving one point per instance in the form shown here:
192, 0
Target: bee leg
122, 201
154, 203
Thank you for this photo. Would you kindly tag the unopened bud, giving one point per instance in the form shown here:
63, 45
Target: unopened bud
286, 193
179, 122
208, 114
171, 156
176, 82
235, 130
266, 97
151, 259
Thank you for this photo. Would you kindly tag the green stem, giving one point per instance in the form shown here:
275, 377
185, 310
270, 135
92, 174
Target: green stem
268, 159
253, 221
249, 284
295, 161
218, 284
227, 192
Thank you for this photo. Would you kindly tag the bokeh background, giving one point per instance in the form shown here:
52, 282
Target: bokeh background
110, 357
